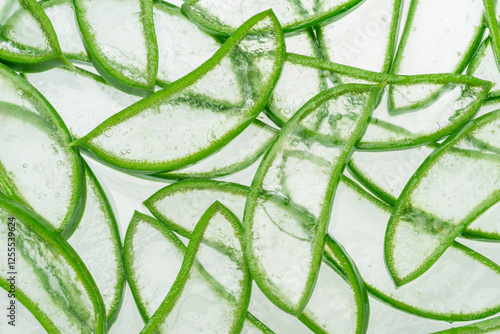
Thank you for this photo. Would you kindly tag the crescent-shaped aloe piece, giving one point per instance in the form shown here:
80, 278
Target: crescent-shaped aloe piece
461, 286
82, 99
151, 247
452, 187
180, 205
192, 304
458, 101
120, 39
97, 241
201, 112
240, 153
28, 41
224, 18
50, 278
365, 38
386, 174
490, 326
484, 66
37, 167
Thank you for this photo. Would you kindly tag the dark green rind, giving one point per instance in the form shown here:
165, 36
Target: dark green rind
114, 77
55, 240
483, 327
413, 182
176, 87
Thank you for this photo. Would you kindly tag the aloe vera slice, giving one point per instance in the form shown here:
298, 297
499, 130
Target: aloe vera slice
365, 38
180, 205
97, 241
224, 18
44, 174
83, 100
449, 190
62, 15
192, 304
490, 326
240, 153
127, 54
149, 247
185, 117
461, 286
483, 65
28, 41
51, 279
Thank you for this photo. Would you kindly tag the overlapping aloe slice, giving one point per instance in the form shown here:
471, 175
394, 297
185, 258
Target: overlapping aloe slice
51, 279
179, 207
120, 40
224, 18
82, 99
365, 38
36, 166
97, 241
458, 182
462, 285
28, 41
201, 112
149, 247
458, 100
484, 66
192, 304
490, 326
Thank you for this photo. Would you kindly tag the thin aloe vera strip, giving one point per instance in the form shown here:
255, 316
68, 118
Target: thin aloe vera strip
153, 258
240, 153
191, 293
461, 286
365, 38
120, 39
490, 326
459, 99
28, 41
224, 18
82, 99
180, 205
185, 117
97, 241
448, 191
62, 15
51, 280
37, 168
491, 16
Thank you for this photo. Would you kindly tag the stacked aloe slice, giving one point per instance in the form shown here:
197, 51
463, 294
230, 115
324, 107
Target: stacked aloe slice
279, 166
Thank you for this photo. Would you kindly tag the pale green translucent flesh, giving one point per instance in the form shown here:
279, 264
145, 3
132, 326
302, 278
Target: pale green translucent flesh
47, 278
98, 245
302, 43
82, 101
188, 127
457, 284
361, 38
124, 46
38, 164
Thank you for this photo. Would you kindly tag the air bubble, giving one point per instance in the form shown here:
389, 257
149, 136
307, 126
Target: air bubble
25, 165
108, 132
123, 152
255, 235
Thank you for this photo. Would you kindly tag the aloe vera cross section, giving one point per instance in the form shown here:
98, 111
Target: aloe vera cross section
201, 112
120, 39
451, 188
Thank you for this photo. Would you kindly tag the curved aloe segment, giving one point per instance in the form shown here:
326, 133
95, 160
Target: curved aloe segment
199, 113
365, 38
386, 174
224, 18
126, 55
461, 286
484, 66
82, 99
490, 326
492, 23
36, 166
191, 293
97, 241
28, 41
52, 281
62, 15
180, 205
457, 102
452, 187
149, 239
240, 153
